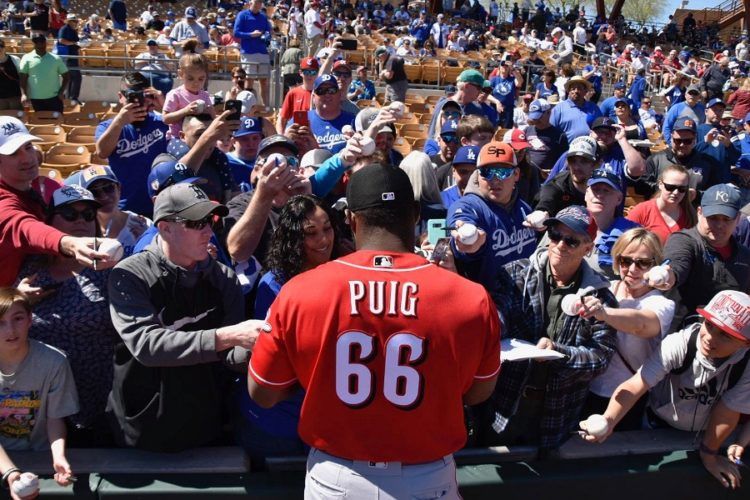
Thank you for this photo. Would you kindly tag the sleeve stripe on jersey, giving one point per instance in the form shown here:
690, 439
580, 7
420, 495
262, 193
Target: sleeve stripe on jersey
268, 382
388, 270
482, 377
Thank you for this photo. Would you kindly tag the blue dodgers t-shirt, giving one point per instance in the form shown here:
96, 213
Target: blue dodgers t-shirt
241, 171
131, 160
504, 90
507, 238
328, 132
246, 23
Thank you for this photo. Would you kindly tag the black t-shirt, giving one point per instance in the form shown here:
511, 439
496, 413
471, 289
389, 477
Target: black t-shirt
40, 22
119, 11
156, 24
558, 194
9, 85
396, 65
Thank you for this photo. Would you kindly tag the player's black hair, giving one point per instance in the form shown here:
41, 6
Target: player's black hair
395, 222
286, 253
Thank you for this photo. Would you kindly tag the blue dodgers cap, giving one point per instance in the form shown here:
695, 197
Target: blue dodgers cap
449, 127
619, 86
603, 122
713, 102
621, 99
721, 199
575, 217
325, 80
166, 172
538, 108
684, 124
191, 12
91, 174
601, 175
249, 125
466, 155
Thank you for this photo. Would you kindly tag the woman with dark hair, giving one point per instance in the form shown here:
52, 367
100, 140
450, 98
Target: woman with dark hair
547, 86
304, 238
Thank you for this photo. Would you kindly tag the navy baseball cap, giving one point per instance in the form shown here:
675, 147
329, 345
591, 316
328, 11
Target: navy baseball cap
620, 86
191, 12
746, 119
604, 176
721, 199
325, 80
621, 99
278, 140
684, 124
449, 127
89, 175
575, 217
378, 186
249, 125
713, 102
538, 108
167, 172
151, 43
466, 155
603, 122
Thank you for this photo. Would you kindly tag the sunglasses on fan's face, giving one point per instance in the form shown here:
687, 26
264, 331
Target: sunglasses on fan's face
103, 190
71, 214
326, 91
642, 264
682, 142
499, 173
197, 225
673, 187
309, 72
556, 236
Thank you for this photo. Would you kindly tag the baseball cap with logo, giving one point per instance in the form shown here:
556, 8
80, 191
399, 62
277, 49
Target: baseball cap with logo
496, 153
583, 146
713, 102
603, 122
248, 100
684, 124
309, 63
471, 76
191, 13
366, 116
721, 199
377, 186
693, 89
449, 127
341, 63
466, 155
277, 140
538, 108
516, 138
249, 125
575, 217
730, 311
604, 176
186, 201
13, 135
325, 80
619, 86
72, 194
90, 175
167, 171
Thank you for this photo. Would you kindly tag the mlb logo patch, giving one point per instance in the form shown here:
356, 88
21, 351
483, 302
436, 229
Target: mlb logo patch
389, 196
382, 261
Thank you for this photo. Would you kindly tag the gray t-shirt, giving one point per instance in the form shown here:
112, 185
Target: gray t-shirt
685, 400
42, 387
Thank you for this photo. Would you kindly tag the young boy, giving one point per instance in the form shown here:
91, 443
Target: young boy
37, 390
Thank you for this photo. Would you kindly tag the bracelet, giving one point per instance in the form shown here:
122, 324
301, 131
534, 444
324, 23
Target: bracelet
7, 474
708, 451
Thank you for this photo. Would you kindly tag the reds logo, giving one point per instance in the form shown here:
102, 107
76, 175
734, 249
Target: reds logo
688, 123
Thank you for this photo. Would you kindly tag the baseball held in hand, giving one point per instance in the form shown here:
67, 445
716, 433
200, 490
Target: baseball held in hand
367, 145
397, 108
571, 304
200, 106
658, 275
597, 425
278, 159
112, 248
537, 218
468, 234
26, 485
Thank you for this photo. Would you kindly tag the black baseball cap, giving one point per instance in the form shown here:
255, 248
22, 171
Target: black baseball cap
685, 124
277, 140
378, 186
603, 122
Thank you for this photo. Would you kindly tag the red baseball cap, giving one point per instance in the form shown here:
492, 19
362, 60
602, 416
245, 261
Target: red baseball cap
309, 63
341, 63
516, 138
730, 311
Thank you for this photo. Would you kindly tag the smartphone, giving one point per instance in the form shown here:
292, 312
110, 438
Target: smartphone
233, 105
436, 230
348, 44
301, 118
441, 248
137, 96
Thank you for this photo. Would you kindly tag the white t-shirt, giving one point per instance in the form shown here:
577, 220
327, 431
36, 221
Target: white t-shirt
312, 17
634, 349
579, 35
685, 400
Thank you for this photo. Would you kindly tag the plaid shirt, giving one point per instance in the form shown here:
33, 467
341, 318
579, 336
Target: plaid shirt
588, 345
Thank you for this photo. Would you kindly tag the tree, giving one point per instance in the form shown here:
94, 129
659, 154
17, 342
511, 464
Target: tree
641, 12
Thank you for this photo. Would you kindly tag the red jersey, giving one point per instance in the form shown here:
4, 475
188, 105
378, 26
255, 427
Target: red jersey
385, 345
297, 99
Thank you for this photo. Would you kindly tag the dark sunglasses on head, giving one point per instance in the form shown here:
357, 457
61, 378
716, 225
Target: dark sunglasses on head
195, 224
683, 141
499, 173
106, 189
71, 214
642, 264
672, 187
310, 72
556, 236
339, 74
326, 91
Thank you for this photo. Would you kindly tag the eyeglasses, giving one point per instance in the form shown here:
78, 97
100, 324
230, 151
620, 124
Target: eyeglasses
672, 187
309, 72
642, 264
106, 189
452, 115
556, 236
449, 138
647, 103
326, 91
338, 74
499, 173
683, 142
72, 215
198, 225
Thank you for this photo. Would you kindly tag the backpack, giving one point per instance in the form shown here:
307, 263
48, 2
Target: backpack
735, 371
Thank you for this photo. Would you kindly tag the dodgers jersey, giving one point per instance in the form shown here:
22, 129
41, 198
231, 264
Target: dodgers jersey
385, 355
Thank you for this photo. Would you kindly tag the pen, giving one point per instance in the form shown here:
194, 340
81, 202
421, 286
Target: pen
96, 247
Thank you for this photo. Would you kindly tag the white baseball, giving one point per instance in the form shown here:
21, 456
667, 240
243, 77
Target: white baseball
367, 145
26, 485
537, 218
571, 304
597, 425
468, 234
658, 275
279, 158
112, 248
201, 106
397, 108
347, 130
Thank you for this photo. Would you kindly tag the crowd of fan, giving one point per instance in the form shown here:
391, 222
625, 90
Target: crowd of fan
145, 342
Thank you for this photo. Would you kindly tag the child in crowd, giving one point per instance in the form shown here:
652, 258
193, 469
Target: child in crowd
190, 98
37, 391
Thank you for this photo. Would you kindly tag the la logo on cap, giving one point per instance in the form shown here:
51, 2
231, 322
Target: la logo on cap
470, 155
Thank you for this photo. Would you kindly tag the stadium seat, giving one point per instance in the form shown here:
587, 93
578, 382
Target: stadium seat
73, 120
67, 154
52, 173
402, 146
21, 115
413, 72
45, 118
50, 135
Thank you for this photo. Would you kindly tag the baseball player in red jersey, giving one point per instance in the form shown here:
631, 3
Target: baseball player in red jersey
388, 347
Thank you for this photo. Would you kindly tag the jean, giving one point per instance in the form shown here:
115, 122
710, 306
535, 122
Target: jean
160, 81
74, 85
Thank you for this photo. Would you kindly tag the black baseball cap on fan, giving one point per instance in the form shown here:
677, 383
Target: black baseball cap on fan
378, 186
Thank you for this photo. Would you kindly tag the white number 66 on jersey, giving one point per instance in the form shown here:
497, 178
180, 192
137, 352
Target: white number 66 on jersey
402, 384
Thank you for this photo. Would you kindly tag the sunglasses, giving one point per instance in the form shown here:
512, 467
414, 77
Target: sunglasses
106, 189
342, 75
326, 91
556, 236
72, 215
647, 103
672, 187
452, 115
684, 142
197, 225
309, 72
642, 264
449, 138
498, 173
